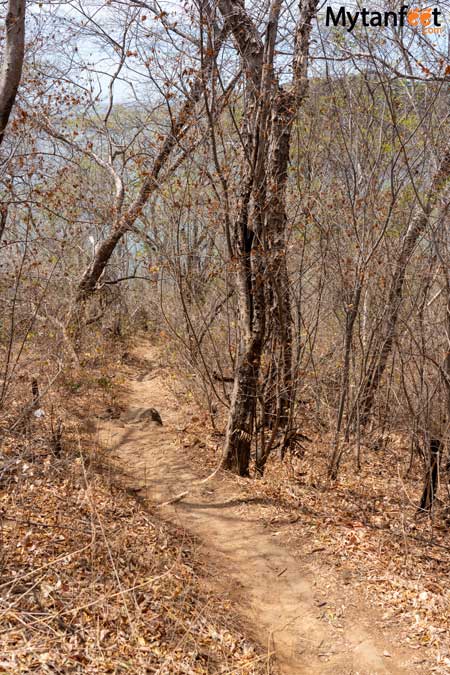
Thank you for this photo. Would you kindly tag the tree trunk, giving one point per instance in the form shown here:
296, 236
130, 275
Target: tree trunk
3, 219
240, 428
351, 314
11, 71
124, 222
250, 293
431, 476
281, 384
412, 235
261, 262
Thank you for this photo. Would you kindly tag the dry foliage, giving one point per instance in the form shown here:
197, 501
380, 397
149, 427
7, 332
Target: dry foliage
91, 582
363, 530
270, 194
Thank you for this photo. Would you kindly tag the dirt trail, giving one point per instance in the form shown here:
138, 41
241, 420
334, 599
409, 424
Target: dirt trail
276, 593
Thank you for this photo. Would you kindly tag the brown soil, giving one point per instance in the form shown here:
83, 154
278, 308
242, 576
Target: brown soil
312, 625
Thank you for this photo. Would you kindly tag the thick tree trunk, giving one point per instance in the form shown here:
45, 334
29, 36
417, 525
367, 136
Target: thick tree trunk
261, 252
286, 102
11, 71
281, 385
250, 293
241, 419
247, 246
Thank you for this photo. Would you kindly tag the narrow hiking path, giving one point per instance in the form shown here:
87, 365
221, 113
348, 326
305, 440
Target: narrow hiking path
278, 594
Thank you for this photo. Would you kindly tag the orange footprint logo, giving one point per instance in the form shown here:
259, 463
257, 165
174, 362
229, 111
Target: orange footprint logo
418, 16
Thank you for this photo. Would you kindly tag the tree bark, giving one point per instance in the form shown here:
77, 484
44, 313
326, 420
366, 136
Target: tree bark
250, 293
260, 235
11, 71
286, 102
350, 318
